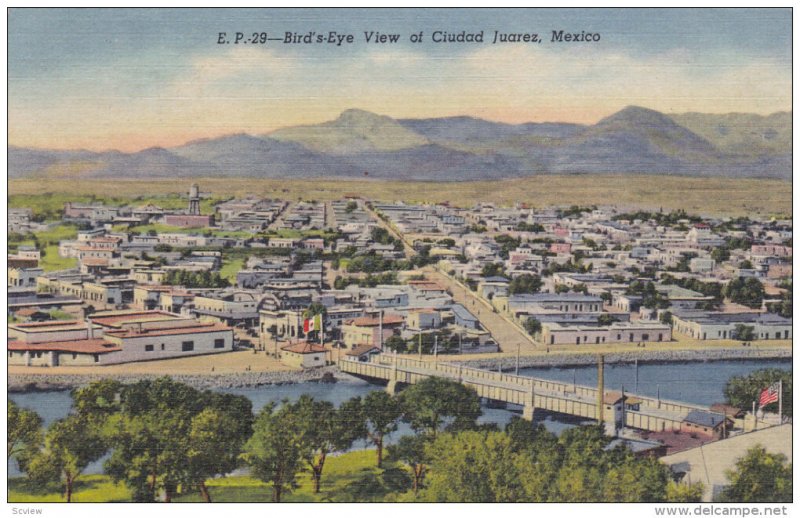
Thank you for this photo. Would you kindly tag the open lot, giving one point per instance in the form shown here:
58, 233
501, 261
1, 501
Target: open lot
711, 196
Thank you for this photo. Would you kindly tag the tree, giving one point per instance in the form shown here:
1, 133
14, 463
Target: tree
435, 403
749, 292
533, 326
666, 318
759, 476
473, 467
396, 343
216, 437
743, 332
381, 414
410, 450
720, 254
606, 319
741, 391
24, 433
149, 434
70, 445
682, 493
273, 452
525, 283
492, 270
321, 430
784, 307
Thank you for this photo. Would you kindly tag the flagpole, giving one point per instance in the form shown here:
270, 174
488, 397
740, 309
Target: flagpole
780, 400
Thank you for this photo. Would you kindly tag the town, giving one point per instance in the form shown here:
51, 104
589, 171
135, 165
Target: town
380, 288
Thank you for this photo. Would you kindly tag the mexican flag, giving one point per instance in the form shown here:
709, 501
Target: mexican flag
312, 324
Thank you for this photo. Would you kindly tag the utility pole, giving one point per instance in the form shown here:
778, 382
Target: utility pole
622, 426
380, 328
516, 370
419, 348
600, 388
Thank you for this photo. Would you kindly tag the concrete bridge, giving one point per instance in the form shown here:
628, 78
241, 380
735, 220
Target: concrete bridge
642, 412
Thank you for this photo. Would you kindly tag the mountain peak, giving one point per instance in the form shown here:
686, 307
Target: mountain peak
637, 115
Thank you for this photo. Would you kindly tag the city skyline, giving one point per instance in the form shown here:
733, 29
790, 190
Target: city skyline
133, 79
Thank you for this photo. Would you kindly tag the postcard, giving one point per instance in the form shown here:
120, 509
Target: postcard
268, 256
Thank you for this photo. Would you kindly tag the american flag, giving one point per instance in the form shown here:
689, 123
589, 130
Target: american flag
768, 395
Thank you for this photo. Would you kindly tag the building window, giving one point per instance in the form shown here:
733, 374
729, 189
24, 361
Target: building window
149, 348
316, 358
96, 358
187, 346
219, 343
74, 355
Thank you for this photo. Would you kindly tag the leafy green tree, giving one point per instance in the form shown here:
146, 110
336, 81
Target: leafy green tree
149, 434
410, 450
70, 445
321, 430
743, 332
681, 493
315, 308
525, 283
396, 343
435, 403
274, 452
381, 414
533, 326
749, 292
606, 319
216, 437
473, 467
741, 391
636, 480
720, 254
492, 270
784, 307
666, 318
759, 476
24, 433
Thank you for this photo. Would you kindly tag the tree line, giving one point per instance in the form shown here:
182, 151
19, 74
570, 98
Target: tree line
164, 438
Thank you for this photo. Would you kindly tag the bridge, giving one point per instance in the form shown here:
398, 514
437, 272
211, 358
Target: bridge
637, 411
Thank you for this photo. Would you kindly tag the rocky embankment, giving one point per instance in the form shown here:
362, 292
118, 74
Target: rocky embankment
579, 360
47, 382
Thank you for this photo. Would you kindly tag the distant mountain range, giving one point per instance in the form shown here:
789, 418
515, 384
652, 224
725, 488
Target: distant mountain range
361, 144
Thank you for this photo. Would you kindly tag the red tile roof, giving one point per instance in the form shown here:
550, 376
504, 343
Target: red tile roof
388, 320
115, 319
188, 330
304, 348
95, 346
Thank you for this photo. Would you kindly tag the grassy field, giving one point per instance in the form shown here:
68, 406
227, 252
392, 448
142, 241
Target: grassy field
89, 488
340, 479
230, 269
712, 196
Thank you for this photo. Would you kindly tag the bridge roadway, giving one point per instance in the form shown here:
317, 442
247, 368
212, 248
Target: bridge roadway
642, 412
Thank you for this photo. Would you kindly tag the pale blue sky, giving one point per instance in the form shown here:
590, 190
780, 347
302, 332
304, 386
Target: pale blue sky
132, 78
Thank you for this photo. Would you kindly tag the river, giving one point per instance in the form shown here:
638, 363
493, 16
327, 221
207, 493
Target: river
695, 382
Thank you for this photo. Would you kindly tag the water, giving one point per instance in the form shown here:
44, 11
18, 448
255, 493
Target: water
696, 382
702, 383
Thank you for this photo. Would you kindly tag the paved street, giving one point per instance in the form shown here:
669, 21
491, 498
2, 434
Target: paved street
507, 335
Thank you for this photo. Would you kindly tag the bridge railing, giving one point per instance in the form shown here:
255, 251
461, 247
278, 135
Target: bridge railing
459, 371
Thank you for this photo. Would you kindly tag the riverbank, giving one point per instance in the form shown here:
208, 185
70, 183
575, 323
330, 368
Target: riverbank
43, 381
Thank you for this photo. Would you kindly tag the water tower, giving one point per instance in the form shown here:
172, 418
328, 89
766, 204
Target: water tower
194, 200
